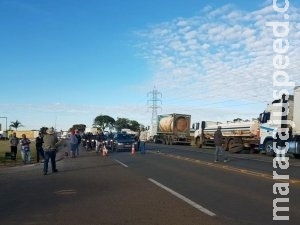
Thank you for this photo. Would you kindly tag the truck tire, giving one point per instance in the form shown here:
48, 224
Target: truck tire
268, 148
165, 141
168, 140
235, 145
297, 156
198, 142
229, 144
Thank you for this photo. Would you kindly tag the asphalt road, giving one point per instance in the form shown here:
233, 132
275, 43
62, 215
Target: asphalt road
168, 185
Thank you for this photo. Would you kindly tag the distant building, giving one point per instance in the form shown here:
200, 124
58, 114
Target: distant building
92, 130
31, 134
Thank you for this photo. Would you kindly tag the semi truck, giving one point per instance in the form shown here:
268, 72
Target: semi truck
238, 136
173, 129
281, 117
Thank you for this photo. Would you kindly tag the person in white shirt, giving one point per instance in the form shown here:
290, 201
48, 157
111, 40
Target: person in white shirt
142, 141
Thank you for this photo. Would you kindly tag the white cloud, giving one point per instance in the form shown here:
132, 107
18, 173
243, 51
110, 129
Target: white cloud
223, 55
214, 66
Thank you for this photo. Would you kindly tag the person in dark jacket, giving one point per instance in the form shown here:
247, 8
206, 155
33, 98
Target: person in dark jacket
78, 136
39, 147
218, 139
13, 141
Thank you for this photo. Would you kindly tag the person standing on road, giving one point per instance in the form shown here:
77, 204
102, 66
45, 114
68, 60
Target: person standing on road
13, 141
78, 141
100, 138
50, 146
137, 138
25, 149
73, 143
218, 139
39, 147
142, 141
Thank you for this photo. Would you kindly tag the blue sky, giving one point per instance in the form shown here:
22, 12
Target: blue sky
64, 62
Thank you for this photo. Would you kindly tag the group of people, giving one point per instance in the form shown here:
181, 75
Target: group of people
46, 148
24, 143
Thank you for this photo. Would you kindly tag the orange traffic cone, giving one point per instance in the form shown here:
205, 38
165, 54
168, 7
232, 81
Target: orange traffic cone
104, 151
132, 150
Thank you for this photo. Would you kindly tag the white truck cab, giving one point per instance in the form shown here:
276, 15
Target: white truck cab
274, 119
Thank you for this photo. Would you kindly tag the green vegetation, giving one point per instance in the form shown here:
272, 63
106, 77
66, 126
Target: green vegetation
15, 124
79, 127
103, 121
100, 122
126, 123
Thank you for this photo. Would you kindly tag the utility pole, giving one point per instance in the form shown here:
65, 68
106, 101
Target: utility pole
154, 99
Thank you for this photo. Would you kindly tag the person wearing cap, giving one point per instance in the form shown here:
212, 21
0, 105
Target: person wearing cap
218, 139
50, 146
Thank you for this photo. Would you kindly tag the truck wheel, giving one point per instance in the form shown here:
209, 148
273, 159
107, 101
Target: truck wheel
198, 142
165, 142
297, 156
168, 141
268, 148
230, 145
154, 140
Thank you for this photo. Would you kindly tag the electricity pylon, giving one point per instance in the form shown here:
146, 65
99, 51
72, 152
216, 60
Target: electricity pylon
154, 99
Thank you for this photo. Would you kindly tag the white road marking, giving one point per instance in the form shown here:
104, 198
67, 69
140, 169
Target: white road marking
190, 202
121, 163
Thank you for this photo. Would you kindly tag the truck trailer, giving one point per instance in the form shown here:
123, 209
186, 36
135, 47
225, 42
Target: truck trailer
238, 136
173, 129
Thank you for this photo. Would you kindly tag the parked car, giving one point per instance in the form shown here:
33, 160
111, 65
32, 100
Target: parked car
123, 142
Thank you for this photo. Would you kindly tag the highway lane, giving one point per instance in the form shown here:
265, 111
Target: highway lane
233, 192
177, 185
91, 190
259, 163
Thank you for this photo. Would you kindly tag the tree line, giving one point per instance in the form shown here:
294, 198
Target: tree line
101, 122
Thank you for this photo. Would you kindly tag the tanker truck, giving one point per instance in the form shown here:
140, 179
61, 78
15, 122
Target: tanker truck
173, 129
238, 136
275, 120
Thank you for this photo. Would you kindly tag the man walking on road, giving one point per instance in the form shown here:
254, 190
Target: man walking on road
218, 139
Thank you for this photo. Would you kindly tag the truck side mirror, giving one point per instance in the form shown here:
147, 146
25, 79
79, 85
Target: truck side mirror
203, 125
